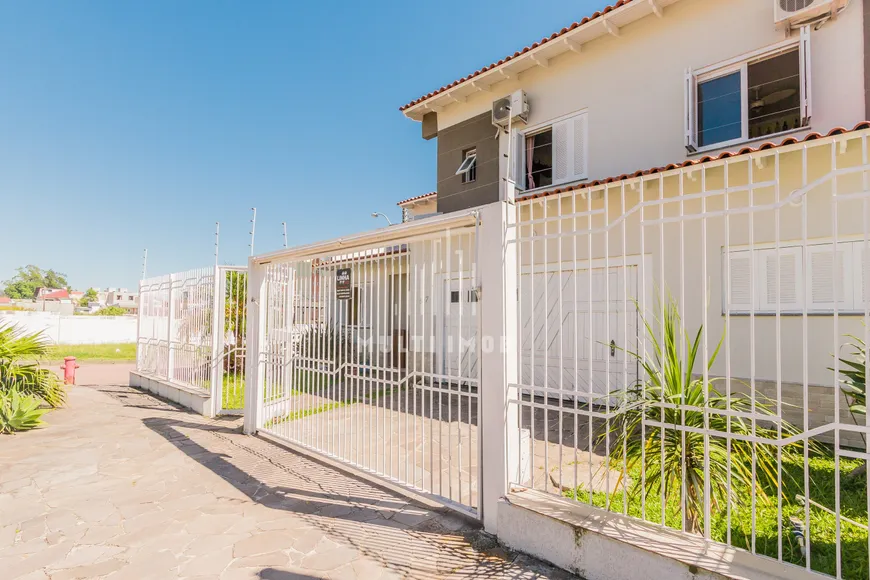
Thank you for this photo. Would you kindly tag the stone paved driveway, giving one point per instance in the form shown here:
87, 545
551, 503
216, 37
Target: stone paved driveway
123, 485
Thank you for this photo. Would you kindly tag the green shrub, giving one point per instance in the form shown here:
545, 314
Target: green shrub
17, 348
110, 311
19, 412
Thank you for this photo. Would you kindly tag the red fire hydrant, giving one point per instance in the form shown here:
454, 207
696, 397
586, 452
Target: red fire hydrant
69, 370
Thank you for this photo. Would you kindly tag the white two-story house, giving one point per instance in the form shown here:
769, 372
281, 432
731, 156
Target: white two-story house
648, 83
599, 111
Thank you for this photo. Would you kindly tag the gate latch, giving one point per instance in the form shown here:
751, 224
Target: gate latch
612, 348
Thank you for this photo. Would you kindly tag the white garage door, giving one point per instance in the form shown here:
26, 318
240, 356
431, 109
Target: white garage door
459, 337
576, 340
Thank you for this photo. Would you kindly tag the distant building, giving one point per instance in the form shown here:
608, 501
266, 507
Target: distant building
122, 297
52, 294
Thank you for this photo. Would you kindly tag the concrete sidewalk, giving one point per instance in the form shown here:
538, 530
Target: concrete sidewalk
123, 485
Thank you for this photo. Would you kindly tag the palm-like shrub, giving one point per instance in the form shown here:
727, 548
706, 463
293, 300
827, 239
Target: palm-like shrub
19, 412
673, 394
853, 381
20, 369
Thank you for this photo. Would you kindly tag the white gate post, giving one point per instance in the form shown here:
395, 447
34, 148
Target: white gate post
256, 333
499, 420
170, 355
217, 339
139, 354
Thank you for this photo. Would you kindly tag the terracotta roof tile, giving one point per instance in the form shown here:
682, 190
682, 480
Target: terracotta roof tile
705, 159
418, 198
533, 46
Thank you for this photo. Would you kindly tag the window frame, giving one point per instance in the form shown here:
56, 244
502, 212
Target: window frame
518, 150
531, 133
852, 274
694, 78
468, 167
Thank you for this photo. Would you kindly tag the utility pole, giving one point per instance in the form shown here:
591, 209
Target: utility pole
144, 263
253, 228
284, 226
217, 236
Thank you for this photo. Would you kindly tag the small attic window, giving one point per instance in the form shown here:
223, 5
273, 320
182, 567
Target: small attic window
468, 167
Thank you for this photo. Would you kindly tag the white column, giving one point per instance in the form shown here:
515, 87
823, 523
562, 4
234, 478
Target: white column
499, 420
139, 354
256, 332
217, 339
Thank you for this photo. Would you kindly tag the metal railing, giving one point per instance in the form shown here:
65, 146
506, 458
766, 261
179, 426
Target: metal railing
176, 339
691, 350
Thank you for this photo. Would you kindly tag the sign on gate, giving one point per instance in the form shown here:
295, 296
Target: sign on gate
342, 284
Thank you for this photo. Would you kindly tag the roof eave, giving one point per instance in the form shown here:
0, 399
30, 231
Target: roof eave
606, 22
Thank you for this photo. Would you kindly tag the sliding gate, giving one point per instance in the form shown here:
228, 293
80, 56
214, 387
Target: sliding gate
368, 354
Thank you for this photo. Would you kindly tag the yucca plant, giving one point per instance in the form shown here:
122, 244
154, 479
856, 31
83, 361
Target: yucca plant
19, 412
853, 382
676, 453
20, 353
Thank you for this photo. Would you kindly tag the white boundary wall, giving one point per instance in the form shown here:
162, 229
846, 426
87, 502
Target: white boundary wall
75, 329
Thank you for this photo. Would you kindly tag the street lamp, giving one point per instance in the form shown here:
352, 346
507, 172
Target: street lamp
377, 213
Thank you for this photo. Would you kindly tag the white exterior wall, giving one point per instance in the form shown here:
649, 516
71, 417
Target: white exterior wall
422, 207
75, 329
632, 86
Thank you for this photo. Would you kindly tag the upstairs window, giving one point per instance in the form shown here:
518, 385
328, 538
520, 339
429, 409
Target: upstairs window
758, 96
552, 154
468, 167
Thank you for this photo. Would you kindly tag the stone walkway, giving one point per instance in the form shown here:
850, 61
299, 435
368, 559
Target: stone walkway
123, 485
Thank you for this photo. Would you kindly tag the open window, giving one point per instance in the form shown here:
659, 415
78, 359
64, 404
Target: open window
552, 154
760, 95
468, 167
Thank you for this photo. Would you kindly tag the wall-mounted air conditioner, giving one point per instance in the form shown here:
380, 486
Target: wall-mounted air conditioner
514, 107
798, 12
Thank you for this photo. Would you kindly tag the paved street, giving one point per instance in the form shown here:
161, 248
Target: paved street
123, 485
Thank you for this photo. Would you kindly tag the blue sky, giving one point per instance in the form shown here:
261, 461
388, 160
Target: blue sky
126, 125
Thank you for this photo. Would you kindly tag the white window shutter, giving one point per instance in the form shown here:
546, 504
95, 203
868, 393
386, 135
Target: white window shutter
806, 77
790, 272
570, 149
738, 279
562, 158
690, 111
824, 277
860, 275
581, 134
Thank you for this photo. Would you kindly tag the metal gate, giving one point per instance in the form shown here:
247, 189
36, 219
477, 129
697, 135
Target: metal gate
177, 342
362, 360
230, 344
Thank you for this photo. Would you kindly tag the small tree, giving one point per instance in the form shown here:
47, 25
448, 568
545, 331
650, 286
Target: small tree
90, 296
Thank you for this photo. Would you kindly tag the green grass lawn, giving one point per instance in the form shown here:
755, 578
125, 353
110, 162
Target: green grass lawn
306, 382
94, 352
822, 533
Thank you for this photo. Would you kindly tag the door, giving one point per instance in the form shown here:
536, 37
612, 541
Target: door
577, 329
459, 353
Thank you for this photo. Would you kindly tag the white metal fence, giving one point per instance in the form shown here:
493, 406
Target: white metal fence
686, 341
368, 354
176, 340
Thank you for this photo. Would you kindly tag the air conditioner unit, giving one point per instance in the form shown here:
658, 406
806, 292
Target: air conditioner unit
513, 108
797, 12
